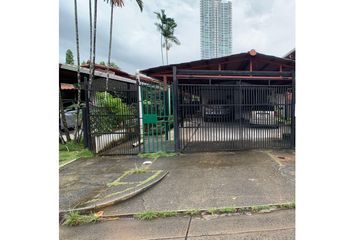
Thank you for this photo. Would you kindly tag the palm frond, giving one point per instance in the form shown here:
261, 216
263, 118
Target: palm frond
174, 39
118, 3
140, 4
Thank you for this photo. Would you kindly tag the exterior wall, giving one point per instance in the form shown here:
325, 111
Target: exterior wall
215, 28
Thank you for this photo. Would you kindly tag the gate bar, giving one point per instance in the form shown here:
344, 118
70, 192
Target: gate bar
175, 112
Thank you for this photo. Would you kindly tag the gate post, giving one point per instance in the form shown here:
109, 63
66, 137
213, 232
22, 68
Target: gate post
86, 116
175, 109
140, 112
293, 119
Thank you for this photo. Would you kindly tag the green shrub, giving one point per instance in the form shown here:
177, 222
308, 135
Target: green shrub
110, 112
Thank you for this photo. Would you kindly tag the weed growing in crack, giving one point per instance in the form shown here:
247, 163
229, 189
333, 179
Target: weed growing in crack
75, 218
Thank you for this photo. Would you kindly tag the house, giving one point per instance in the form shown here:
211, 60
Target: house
220, 98
235, 102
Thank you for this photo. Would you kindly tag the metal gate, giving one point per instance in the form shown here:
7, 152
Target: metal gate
157, 118
231, 115
129, 118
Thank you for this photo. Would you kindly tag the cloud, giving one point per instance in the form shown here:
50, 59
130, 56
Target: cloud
265, 25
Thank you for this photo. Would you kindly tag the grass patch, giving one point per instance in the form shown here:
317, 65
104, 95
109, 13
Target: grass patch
193, 212
287, 205
75, 218
71, 151
156, 155
149, 215
221, 210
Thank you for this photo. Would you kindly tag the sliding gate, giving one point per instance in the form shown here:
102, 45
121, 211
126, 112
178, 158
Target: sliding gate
234, 115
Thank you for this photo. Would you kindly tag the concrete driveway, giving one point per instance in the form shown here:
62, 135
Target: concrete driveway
223, 179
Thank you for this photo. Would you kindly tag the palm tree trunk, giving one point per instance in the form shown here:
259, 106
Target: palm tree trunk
166, 51
92, 63
78, 74
161, 50
109, 48
90, 12
63, 117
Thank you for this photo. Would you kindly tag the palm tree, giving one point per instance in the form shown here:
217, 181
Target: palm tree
118, 3
160, 27
93, 45
167, 27
90, 13
78, 75
169, 36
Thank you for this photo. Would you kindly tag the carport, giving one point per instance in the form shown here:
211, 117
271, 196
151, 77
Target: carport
241, 101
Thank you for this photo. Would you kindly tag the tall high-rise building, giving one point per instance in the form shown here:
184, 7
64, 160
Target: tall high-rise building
215, 28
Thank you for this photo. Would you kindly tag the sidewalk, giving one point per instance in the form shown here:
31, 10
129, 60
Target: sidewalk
274, 225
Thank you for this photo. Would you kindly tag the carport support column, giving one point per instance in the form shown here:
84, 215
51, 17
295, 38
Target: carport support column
175, 109
293, 119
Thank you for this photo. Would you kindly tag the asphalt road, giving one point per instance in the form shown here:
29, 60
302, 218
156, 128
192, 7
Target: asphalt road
274, 225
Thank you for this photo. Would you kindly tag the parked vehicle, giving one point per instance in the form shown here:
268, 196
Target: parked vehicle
70, 114
217, 110
263, 115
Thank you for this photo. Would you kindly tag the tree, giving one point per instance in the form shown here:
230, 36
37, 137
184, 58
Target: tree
77, 130
118, 3
93, 40
160, 27
167, 27
112, 64
69, 58
103, 63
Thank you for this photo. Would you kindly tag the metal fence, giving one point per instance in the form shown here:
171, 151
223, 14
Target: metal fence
114, 118
194, 115
233, 117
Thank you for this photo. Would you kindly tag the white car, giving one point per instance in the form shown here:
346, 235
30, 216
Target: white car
263, 116
70, 115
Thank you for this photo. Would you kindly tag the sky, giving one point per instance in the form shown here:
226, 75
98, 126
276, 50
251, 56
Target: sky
268, 26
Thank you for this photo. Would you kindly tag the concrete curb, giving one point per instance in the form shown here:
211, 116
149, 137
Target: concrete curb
127, 196
276, 206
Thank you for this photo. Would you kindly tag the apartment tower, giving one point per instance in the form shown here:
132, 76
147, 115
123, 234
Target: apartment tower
215, 28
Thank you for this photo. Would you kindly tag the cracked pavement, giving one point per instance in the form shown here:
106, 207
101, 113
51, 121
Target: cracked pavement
274, 225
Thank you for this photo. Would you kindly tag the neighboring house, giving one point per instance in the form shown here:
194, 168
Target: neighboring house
117, 79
